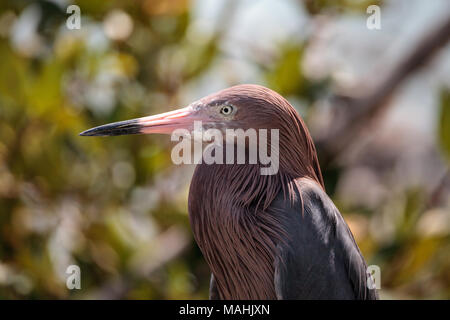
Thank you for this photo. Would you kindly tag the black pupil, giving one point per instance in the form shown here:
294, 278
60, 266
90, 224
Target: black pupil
226, 110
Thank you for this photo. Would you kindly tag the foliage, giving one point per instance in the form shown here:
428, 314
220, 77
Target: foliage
117, 206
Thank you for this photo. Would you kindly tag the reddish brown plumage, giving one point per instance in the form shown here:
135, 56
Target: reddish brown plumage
229, 204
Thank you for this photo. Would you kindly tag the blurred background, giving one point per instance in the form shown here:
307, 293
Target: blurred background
376, 101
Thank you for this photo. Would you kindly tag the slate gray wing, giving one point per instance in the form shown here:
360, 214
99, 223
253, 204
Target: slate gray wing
321, 259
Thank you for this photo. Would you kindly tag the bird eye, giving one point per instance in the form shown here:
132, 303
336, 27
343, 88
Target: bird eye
226, 110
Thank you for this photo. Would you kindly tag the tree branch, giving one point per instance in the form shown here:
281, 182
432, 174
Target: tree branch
358, 113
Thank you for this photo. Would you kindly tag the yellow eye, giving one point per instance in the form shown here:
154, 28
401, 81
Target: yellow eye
226, 110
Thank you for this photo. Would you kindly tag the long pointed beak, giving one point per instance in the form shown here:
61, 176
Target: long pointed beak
164, 123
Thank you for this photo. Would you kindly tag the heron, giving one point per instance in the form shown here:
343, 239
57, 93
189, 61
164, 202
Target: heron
274, 236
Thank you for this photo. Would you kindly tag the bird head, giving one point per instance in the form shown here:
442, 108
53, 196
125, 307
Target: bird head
239, 107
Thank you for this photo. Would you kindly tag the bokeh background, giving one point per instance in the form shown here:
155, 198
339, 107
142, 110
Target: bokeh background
376, 101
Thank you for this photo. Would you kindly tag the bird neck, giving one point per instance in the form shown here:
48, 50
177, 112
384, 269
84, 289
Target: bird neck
235, 228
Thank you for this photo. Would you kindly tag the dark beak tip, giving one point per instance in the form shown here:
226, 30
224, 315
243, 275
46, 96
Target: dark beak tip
91, 132
114, 129
85, 133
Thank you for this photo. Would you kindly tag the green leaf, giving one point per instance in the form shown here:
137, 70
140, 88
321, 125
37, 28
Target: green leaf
286, 75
